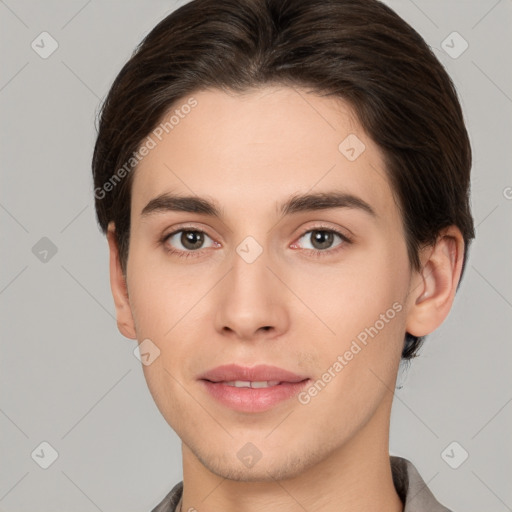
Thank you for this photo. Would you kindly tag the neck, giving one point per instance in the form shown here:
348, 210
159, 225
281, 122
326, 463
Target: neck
355, 477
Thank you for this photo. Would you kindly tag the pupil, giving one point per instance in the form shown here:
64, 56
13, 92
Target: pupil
322, 239
192, 239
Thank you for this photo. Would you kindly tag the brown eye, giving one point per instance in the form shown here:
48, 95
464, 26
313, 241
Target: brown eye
321, 239
192, 239
188, 240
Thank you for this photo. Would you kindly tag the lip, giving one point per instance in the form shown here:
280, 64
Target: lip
252, 399
261, 372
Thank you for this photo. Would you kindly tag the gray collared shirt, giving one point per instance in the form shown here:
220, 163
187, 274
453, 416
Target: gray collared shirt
411, 488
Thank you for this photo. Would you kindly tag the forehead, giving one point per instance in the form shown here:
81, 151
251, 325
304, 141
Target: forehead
250, 150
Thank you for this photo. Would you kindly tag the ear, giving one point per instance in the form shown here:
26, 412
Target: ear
125, 322
433, 290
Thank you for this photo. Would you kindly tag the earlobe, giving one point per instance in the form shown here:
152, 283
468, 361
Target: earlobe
433, 291
125, 322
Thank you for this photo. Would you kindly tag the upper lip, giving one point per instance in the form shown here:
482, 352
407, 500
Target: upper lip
259, 373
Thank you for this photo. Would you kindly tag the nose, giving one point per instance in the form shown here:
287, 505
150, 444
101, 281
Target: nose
251, 301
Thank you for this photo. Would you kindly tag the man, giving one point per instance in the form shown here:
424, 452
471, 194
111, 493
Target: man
284, 186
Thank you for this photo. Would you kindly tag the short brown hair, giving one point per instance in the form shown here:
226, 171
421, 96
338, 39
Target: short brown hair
358, 50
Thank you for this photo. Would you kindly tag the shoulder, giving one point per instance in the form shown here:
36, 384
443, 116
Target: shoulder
412, 489
168, 504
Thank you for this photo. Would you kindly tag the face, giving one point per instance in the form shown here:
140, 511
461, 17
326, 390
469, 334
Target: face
318, 288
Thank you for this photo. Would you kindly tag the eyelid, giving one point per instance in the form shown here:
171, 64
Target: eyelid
343, 232
186, 227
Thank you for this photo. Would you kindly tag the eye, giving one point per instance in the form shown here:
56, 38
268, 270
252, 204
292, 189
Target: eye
187, 240
321, 240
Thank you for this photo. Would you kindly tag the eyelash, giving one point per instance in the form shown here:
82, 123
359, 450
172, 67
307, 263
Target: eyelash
315, 252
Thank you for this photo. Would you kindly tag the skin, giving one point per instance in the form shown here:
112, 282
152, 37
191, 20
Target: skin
250, 152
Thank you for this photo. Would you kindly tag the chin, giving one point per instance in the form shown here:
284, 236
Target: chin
266, 469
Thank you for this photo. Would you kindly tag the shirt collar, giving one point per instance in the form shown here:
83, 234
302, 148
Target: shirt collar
412, 489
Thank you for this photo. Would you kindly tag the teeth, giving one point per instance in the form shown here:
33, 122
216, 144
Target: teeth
249, 384
264, 384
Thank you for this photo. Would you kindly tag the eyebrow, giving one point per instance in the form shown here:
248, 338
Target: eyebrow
298, 203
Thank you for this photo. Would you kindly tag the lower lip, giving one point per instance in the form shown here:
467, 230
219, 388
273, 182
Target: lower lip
253, 399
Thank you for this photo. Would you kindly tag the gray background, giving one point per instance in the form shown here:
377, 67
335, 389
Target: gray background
70, 379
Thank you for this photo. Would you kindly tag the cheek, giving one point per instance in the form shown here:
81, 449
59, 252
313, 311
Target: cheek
362, 312
351, 296
358, 359
160, 295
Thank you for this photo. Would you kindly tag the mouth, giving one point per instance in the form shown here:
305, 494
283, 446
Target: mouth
252, 389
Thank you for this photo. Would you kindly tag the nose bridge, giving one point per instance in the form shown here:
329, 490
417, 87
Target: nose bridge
252, 297
251, 280
250, 274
